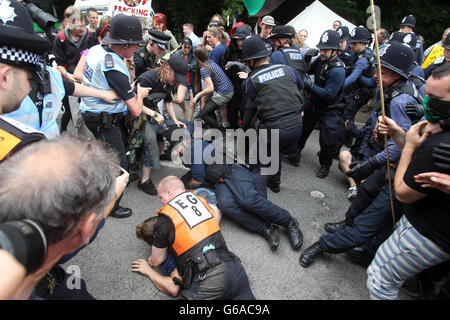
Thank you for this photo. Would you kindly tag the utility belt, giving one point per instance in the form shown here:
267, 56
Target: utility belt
285, 121
103, 120
208, 259
217, 172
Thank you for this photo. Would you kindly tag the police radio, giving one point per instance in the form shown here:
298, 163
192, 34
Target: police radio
43, 79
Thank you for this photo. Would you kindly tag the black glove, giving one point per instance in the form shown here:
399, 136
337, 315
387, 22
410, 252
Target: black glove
441, 157
241, 66
310, 53
445, 124
361, 170
414, 111
308, 82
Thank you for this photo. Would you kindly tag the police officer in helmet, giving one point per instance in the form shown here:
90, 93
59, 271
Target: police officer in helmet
20, 51
146, 57
407, 25
274, 96
363, 64
325, 105
105, 69
345, 53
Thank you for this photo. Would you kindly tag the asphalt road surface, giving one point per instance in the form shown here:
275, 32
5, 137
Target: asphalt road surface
106, 263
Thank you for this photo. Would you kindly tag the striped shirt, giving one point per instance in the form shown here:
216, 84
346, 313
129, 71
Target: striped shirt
221, 82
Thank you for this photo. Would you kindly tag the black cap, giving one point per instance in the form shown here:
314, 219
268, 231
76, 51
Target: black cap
159, 38
241, 32
281, 32
19, 45
360, 34
254, 48
179, 67
125, 30
409, 21
330, 39
344, 33
398, 57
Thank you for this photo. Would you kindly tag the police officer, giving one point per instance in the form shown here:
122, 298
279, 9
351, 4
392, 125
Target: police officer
326, 102
441, 60
20, 50
274, 95
396, 63
284, 53
105, 69
188, 227
407, 25
146, 57
345, 53
241, 191
363, 64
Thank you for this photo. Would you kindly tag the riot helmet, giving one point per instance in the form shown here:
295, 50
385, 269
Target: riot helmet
360, 34
125, 30
254, 48
330, 39
398, 57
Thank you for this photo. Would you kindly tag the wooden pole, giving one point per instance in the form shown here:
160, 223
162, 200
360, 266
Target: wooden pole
383, 112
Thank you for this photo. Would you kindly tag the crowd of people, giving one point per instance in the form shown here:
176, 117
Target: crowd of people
125, 86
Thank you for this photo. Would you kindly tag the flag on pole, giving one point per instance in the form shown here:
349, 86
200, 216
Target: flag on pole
259, 8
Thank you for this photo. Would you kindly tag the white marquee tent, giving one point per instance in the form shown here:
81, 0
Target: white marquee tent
316, 18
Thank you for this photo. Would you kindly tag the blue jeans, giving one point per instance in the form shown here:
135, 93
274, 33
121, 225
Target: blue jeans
373, 220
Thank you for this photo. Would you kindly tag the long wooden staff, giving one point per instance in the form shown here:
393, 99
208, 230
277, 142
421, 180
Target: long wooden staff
382, 108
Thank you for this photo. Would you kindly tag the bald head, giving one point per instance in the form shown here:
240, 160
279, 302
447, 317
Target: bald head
57, 182
169, 187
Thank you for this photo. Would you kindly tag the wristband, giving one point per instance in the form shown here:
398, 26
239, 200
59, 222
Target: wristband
65, 74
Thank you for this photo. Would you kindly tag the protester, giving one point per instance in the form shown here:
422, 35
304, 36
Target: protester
188, 31
159, 23
92, 19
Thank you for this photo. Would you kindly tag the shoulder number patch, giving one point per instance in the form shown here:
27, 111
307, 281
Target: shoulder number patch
109, 62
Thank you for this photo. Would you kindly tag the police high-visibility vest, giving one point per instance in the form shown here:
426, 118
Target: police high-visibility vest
28, 112
194, 220
98, 61
438, 51
14, 136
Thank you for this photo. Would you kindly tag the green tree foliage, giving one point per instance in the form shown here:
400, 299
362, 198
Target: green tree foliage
432, 16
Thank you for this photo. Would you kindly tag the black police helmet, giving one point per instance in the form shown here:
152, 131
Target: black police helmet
241, 32
409, 38
409, 21
254, 48
446, 43
398, 57
360, 34
344, 33
125, 30
281, 32
330, 39
19, 45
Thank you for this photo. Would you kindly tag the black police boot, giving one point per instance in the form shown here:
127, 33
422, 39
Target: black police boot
307, 257
294, 162
121, 213
335, 227
148, 187
323, 171
270, 233
274, 186
360, 256
295, 235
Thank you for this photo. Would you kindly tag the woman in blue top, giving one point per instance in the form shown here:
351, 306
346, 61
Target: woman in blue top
216, 83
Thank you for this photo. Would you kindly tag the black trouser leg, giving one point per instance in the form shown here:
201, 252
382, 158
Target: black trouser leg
67, 115
208, 115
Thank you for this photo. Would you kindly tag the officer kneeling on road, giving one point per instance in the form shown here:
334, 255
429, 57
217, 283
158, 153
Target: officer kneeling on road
105, 69
188, 227
326, 102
